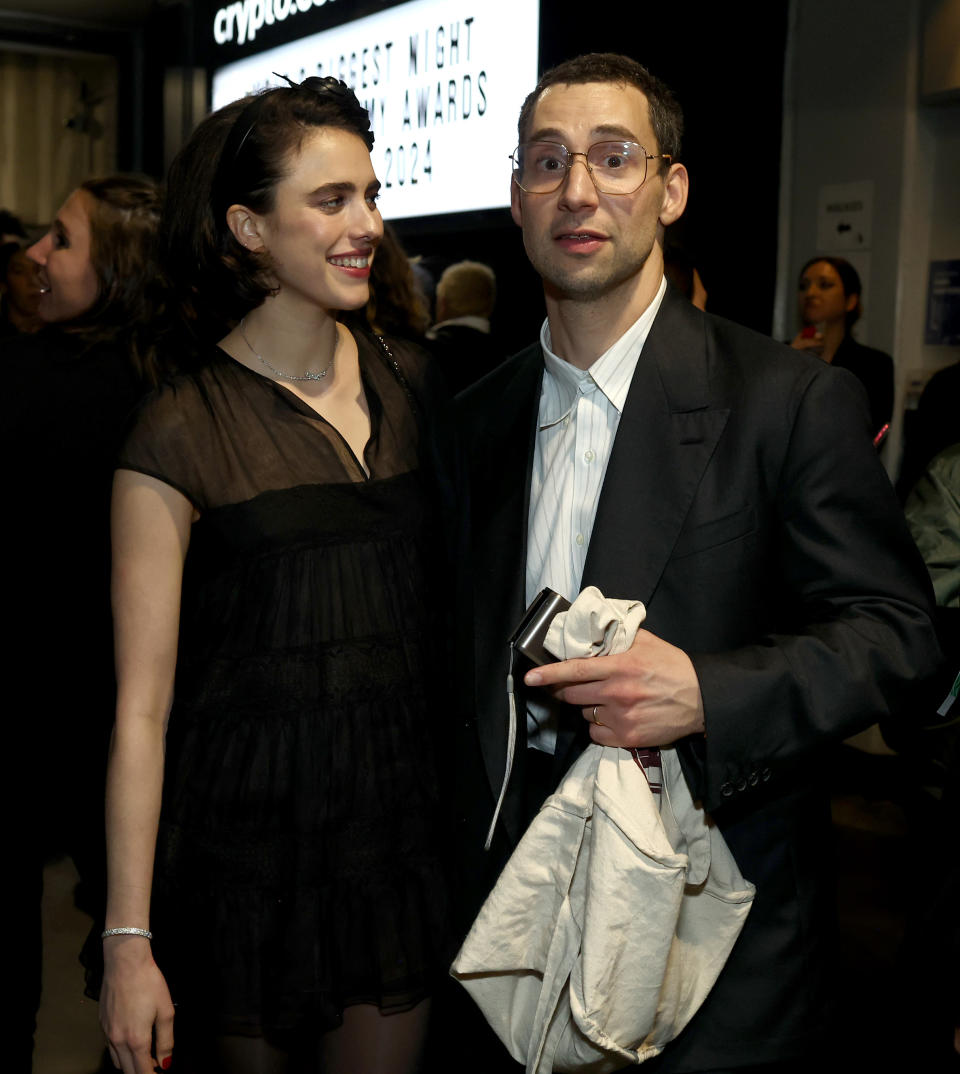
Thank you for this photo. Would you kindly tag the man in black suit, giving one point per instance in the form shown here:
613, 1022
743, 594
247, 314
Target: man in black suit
729, 483
460, 340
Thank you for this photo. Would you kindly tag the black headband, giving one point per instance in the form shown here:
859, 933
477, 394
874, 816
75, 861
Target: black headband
327, 86
334, 89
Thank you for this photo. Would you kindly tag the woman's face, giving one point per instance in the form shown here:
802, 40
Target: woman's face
324, 227
68, 282
821, 295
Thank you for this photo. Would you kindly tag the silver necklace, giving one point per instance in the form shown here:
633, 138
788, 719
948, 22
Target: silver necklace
309, 375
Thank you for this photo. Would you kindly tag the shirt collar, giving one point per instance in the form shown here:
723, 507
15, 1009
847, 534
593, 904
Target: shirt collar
612, 372
468, 320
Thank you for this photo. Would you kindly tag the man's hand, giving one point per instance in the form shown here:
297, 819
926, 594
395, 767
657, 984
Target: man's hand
647, 696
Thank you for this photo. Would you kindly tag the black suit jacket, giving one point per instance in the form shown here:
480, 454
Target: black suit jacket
743, 503
464, 354
874, 370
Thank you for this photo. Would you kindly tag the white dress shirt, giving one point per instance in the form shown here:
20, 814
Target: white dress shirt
577, 423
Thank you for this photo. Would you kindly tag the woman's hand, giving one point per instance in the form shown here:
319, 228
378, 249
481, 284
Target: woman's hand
151, 532
809, 338
136, 1012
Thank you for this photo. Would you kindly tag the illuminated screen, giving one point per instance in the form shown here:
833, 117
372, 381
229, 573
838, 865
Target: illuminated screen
443, 81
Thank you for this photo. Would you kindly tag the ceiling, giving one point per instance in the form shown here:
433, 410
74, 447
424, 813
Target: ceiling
114, 13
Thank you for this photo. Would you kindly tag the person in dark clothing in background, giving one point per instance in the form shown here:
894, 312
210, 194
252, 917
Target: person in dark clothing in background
829, 308
19, 292
932, 427
11, 227
461, 340
68, 392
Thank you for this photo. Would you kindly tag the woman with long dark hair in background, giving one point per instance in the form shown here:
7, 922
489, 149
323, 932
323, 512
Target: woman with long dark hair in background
272, 806
69, 391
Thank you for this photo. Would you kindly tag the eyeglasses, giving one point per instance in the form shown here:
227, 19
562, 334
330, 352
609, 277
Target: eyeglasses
614, 167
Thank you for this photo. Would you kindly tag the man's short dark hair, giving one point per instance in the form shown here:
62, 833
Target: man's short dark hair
666, 116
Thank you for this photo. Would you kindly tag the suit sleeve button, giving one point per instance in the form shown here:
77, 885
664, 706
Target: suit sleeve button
754, 779
726, 790
741, 784
765, 774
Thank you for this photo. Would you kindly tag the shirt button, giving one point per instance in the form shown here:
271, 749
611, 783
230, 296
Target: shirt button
579, 538
566, 422
588, 455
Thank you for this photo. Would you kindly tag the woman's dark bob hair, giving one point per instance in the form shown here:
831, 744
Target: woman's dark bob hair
237, 156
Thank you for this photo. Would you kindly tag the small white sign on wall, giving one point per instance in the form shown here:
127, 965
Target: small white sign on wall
845, 216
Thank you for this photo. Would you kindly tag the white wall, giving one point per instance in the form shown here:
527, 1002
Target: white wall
850, 90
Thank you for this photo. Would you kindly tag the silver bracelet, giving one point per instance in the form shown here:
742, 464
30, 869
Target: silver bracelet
145, 933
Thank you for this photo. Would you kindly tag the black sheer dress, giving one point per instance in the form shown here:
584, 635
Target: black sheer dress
299, 857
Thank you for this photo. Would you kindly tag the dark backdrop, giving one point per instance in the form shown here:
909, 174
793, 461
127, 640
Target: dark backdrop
724, 61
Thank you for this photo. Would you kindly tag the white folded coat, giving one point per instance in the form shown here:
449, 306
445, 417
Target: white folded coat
612, 920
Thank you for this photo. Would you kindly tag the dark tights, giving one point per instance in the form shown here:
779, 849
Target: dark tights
368, 1041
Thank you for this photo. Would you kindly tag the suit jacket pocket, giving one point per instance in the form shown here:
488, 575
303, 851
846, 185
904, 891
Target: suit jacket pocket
714, 532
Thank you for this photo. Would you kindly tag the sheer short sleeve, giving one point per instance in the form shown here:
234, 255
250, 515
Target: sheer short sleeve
225, 434
165, 440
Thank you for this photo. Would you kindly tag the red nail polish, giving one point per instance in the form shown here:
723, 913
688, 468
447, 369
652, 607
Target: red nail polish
166, 1062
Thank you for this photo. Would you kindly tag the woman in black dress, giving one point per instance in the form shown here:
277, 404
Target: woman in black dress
829, 298
69, 390
273, 530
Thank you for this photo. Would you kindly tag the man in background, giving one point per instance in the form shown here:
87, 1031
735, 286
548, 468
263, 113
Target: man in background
461, 340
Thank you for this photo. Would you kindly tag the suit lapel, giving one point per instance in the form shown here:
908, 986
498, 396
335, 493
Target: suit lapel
667, 434
499, 508
666, 437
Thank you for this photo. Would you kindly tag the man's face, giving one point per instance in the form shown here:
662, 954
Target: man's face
583, 243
